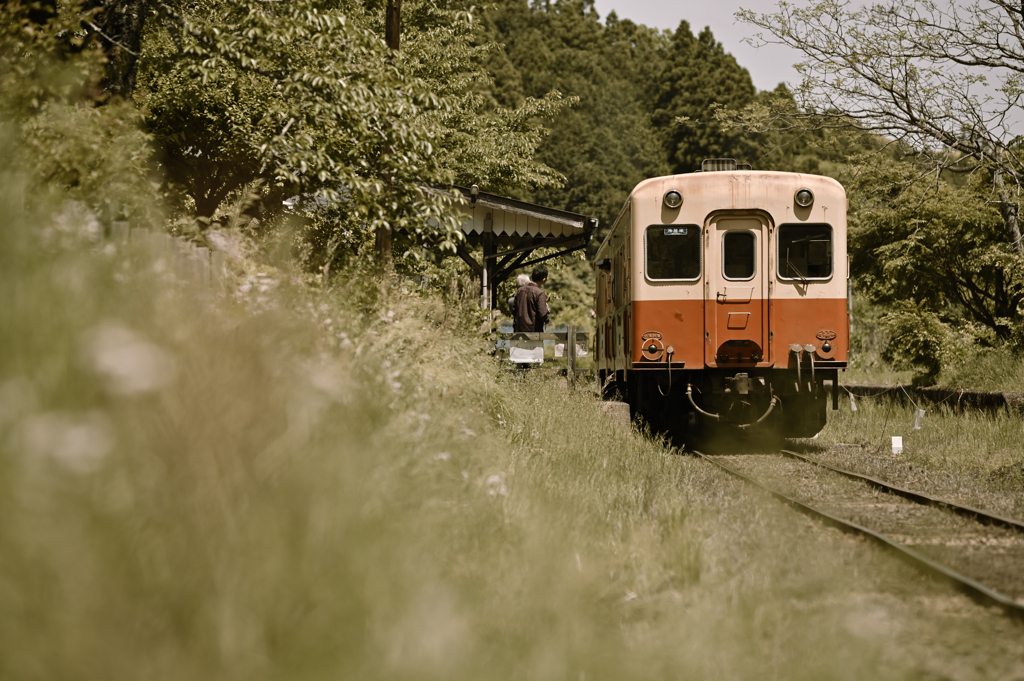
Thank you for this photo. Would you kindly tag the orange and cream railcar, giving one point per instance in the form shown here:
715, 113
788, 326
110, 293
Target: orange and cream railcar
721, 295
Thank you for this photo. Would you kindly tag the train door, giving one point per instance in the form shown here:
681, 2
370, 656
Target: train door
736, 281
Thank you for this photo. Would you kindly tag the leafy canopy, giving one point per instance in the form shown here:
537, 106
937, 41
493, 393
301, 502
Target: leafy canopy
306, 98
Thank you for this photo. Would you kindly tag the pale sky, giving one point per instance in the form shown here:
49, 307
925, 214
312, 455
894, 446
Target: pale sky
768, 65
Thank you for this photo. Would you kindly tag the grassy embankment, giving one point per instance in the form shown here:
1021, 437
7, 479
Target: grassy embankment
285, 483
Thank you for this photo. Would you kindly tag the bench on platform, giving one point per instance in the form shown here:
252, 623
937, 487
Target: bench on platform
526, 349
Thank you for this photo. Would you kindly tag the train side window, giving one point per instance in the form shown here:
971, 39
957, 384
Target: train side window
673, 252
739, 255
805, 252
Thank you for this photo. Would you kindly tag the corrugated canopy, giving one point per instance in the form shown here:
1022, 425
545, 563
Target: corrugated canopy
508, 217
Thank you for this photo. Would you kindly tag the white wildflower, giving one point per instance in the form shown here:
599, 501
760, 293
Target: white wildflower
129, 363
331, 379
79, 442
496, 486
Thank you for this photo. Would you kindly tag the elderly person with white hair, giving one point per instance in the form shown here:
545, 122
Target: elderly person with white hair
521, 281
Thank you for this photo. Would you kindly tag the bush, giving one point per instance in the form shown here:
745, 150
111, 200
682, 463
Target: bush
920, 340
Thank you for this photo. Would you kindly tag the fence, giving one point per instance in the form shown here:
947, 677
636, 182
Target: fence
192, 264
527, 348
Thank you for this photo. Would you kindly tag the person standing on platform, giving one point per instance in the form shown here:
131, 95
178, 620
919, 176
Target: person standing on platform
521, 281
530, 310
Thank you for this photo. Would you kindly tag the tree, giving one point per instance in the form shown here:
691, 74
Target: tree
209, 133
50, 81
306, 98
942, 80
606, 145
117, 26
933, 253
301, 96
481, 141
698, 77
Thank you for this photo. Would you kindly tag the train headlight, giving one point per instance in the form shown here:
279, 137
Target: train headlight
804, 197
673, 199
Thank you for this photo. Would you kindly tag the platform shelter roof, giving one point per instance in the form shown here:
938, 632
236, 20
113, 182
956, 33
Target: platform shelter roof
508, 232
506, 217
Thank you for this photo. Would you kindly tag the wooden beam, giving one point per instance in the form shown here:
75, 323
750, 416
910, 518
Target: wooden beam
507, 255
549, 244
467, 258
506, 272
553, 255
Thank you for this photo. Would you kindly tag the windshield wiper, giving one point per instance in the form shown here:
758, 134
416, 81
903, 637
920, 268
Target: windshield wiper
799, 274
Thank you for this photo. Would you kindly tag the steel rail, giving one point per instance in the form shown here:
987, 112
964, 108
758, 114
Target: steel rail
969, 586
983, 517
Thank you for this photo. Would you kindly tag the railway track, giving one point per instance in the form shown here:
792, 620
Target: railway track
978, 552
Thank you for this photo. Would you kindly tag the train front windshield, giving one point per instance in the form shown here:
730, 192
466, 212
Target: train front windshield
673, 252
805, 251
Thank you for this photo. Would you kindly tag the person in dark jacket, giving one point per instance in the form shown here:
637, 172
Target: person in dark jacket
530, 311
521, 281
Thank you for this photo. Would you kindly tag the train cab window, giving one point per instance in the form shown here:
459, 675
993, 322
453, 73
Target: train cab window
739, 255
673, 252
805, 252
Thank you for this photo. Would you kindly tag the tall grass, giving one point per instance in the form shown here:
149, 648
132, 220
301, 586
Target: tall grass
288, 483
968, 453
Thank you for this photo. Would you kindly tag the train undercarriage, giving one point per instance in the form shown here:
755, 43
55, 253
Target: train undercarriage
784, 402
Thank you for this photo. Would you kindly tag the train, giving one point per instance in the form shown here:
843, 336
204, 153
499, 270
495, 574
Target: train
722, 299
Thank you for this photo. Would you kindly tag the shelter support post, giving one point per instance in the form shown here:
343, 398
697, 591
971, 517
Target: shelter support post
570, 357
487, 283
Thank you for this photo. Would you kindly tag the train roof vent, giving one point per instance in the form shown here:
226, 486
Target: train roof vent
710, 165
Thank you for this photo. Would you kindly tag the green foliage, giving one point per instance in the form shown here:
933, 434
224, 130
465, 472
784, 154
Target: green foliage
66, 143
698, 77
570, 291
480, 141
208, 133
918, 339
97, 155
940, 248
779, 143
606, 145
932, 76
46, 63
304, 96
307, 100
